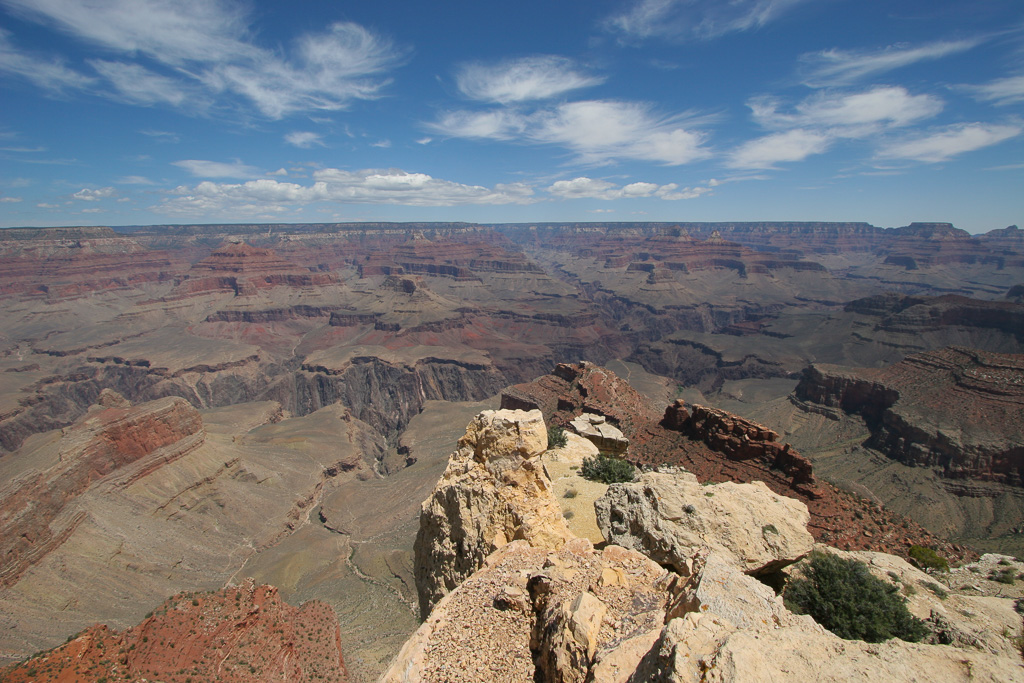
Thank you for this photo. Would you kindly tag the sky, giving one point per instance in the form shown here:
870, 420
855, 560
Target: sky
141, 112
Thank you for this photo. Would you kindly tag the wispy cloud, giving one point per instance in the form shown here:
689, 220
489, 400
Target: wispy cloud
843, 67
391, 186
946, 143
205, 46
48, 73
88, 195
767, 151
520, 80
817, 122
595, 188
1002, 91
848, 114
161, 135
134, 180
9, 200
304, 139
699, 19
138, 85
597, 131
217, 169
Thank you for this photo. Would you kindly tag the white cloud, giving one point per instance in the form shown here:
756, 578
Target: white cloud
520, 80
161, 135
44, 205
841, 67
592, 188
9, 200
47, 73
279, 172
139, 85
849, 115
87, 195
1001, 91
598, 131
303, 139
217, 169
134, 180
700, 19
207, 45
391, 186
951, 141
424, 141
765, 152
383, 144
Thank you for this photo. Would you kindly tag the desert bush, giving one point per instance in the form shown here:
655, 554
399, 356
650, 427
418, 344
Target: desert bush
556, 437
844, 597
607, 470
570, 493
928, 559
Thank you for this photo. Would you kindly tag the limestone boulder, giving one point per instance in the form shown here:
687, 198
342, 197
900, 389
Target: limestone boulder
607, 437
493, 491
667, 515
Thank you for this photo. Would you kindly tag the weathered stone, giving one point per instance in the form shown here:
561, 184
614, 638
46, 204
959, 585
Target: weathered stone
667, 516
608, 438
493, 491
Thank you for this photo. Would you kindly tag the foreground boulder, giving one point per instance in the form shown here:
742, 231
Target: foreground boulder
669, 515
493, 491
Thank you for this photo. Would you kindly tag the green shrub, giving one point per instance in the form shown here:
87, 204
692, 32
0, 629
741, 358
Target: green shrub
926, 558
844, 597
607, 470
939, 591
556, 437
570, 493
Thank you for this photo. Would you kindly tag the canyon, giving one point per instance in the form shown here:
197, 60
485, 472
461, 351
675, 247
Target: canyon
184, 407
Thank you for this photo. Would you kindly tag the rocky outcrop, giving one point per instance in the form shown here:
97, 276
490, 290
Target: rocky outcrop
112, 441
579, 615
243, 270
494, 491
605, 436
741, 439
240, 634
956, 410
669, 515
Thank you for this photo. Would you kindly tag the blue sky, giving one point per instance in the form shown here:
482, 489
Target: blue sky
118, 112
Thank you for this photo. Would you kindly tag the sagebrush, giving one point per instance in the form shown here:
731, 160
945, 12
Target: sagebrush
608, 470
846, 598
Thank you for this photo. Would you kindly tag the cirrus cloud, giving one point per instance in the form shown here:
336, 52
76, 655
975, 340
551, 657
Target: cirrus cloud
595, 188
946, 143
520, 80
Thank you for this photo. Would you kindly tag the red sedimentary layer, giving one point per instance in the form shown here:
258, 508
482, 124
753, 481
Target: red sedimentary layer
244, 269
236, 635
460, 260
957, 410
36, 514
717, 446
69, 262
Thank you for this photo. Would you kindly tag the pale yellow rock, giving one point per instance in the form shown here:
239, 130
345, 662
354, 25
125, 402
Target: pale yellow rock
493, 491
668, 515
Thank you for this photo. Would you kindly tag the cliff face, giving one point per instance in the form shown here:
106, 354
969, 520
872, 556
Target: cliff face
956, 410
36, 510
494, 491
240, 634
569, 613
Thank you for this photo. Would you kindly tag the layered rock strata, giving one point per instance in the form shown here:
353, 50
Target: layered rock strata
115, 443
959, 411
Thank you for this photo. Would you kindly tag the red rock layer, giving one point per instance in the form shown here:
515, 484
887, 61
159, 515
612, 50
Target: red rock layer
244, 269
236, 635
714, 449
958, 410
63, 262
456, 259
35, 510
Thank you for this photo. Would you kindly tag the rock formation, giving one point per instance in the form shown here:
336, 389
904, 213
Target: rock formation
576, 614
240, 634
719, 447
113, 442
494, 491
668, 516
957, 410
